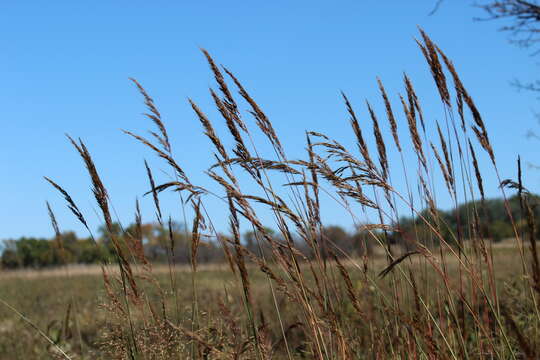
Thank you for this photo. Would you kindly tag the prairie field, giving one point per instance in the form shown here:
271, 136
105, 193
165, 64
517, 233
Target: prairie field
411, 281
70, 304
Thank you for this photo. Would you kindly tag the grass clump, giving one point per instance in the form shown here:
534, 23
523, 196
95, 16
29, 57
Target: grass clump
444, 293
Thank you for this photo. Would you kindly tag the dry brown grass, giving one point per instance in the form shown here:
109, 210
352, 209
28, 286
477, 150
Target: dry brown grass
443, 298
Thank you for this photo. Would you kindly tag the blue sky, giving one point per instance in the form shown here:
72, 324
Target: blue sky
64, 68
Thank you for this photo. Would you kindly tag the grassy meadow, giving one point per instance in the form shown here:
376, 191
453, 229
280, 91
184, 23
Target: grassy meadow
435, 287
70, 305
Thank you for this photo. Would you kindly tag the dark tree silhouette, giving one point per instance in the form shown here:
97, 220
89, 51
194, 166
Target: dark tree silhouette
523, 26
524, 19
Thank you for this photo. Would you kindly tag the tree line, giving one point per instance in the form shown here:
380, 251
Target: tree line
160, 243
172, 242
488, 218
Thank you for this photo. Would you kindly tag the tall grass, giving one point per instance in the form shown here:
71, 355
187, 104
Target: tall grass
437, 299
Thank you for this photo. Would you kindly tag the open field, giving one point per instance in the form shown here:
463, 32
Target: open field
411, 282
70, 304
502, 249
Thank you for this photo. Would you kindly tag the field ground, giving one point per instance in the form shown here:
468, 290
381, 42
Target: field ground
75, 296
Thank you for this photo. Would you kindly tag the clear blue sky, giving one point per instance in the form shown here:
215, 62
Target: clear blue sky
64, 68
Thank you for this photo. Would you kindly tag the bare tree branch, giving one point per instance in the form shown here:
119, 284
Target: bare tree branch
525, 20
436, 7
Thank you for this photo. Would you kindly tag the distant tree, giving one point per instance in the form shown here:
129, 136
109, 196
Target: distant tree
336, 239
255, 242
105, 237
90, 253
362, 242
10, 259
501, 230
160, 244
68, 247
34, 252
493, 222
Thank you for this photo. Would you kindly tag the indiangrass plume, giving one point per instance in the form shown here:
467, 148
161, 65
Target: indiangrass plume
295, 287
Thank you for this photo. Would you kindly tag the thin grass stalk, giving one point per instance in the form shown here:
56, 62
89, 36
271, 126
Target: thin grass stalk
59, 242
